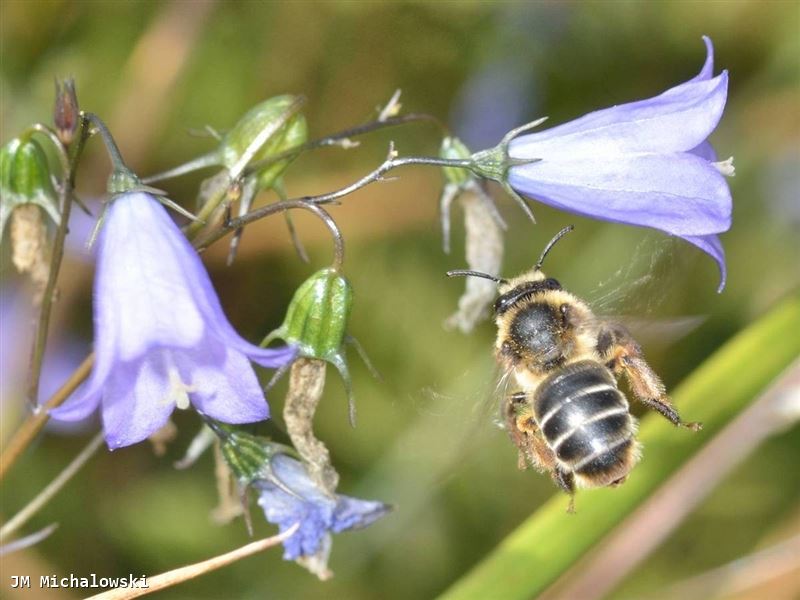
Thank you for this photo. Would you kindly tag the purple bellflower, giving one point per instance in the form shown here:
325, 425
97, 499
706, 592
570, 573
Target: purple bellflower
161, 338
290, 496
644, 163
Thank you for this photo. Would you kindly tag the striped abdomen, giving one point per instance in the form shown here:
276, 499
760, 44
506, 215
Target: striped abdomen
586, 422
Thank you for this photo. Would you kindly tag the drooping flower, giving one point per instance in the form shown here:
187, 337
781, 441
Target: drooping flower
644, 163
161, 337
290, 496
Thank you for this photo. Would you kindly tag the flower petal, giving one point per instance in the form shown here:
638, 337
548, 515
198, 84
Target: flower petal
708, 67
711, 245
681, 193
143, 292
268, 357
136, 401
705, 151
354, 513
677, 120
307, 506
222, 383
80, 405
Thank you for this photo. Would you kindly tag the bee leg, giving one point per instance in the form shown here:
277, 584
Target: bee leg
624, 356
566, 481
513, 406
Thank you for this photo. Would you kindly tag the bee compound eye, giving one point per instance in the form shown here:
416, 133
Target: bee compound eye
552, 284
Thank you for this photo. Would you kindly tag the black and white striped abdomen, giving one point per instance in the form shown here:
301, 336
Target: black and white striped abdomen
586, 422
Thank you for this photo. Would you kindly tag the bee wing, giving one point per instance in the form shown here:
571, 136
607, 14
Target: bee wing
649, 277
650, 332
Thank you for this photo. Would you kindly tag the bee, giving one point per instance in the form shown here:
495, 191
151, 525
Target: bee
568, 416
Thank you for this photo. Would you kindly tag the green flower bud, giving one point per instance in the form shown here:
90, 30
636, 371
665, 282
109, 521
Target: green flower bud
25, 179
317, 316
289, 130
453, 148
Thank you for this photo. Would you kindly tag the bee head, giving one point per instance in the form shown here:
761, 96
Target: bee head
528, 284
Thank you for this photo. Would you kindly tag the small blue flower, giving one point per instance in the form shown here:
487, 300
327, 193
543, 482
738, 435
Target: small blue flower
161, 337
289, 496
643, 163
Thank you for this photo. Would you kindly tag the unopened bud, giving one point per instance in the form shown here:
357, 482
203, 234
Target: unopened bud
317, 316
66, 112
25, 179
316, 322
278, 121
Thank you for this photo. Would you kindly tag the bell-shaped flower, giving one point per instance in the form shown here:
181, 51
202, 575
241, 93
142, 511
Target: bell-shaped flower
643, 163
289, 496
161, 337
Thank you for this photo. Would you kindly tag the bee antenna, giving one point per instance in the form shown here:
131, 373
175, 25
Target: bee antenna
466, 273
552, 243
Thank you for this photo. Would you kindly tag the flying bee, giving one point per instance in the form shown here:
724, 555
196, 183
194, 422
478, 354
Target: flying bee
568, 417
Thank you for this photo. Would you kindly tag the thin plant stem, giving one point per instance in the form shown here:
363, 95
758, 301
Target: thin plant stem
337, 138
179, 575
108, 140
392, 162
43, 324
52, 488
34, 423
271, 209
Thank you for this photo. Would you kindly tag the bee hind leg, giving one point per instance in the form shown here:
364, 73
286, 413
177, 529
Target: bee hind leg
623, 355
566, 481
664, 407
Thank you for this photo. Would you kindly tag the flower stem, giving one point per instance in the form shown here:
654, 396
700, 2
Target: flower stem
34, 423
111, 146
52, 488
337, 138
278, 207
392, 162
176, 576
65, 199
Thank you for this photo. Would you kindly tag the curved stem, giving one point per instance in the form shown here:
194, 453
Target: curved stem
278, 207
392, 162
108, 139
305, 202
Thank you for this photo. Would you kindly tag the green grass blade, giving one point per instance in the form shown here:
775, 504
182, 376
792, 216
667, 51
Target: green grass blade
550, 541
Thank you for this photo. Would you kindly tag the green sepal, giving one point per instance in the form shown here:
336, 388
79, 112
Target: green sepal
494, 164
25, 178
290, 130
248, 456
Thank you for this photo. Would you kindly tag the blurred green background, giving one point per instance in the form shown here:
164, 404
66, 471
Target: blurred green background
426, 439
